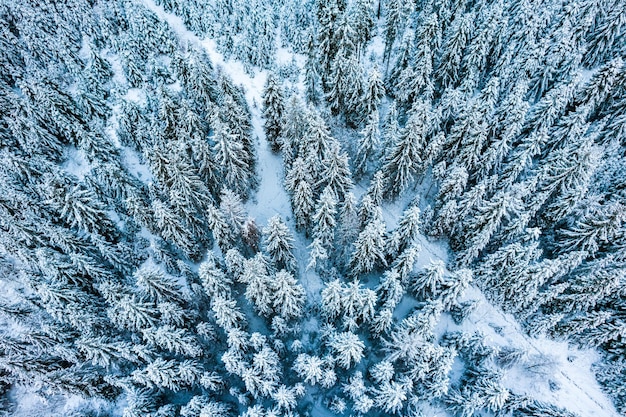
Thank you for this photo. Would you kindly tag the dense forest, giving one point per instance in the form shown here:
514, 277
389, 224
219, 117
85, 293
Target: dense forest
450, 170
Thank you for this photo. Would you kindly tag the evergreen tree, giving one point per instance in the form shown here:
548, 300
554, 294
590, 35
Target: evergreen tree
403, 159
362, 14
395, 19
369, 140
368, 249
348, 229
231, 156
374, 93
312, 81
407, 231
325, 218
429, 280
348, 348
273, 111
279, 243
335, 173
288, 296
456, 38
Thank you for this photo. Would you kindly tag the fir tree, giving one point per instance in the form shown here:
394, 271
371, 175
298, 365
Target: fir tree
335, 172
325, 218
368, 144
374, 93
273, 111
403, 159
287, 294
348, 348
368, 249
279, 243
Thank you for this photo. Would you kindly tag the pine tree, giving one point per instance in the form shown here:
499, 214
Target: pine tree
348, 228
303, 204
407, 259
232, 208
453, 185
156, 285
390, 290
390, 396
362, 14
227, 315
429, 281
257, 278
454, 287
346, 84
358, 303
232, 158
382, 322
332, 300
395, 20
486, 221
599, 226
273, 111
368, 249
407, 231
377, 188
607, 32
318, 256
309, 368
403, 160
279, 243
374, 93
172, 229
327, 14
335, 172
312, 81
223, 234
456, 39
214, 281
288, 296
348, 348
325, 218
514, 111
369, 141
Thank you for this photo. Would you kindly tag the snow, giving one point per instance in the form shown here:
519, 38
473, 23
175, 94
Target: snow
76, 164
135, 166
29, 404
579, 391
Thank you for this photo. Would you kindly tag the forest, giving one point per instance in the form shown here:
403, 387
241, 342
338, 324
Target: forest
313, 208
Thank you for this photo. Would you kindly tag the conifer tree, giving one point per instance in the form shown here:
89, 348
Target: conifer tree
324, 218
396, 14
368, 249
407, 231
232, 159
273, 111
403, 159
348, 348
374, 93
288, 296
348, 228
456, 38
335, 173
279, 243
369, 141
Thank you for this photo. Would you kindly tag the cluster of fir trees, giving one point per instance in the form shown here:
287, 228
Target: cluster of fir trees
524, 153
99, 297
514, 113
